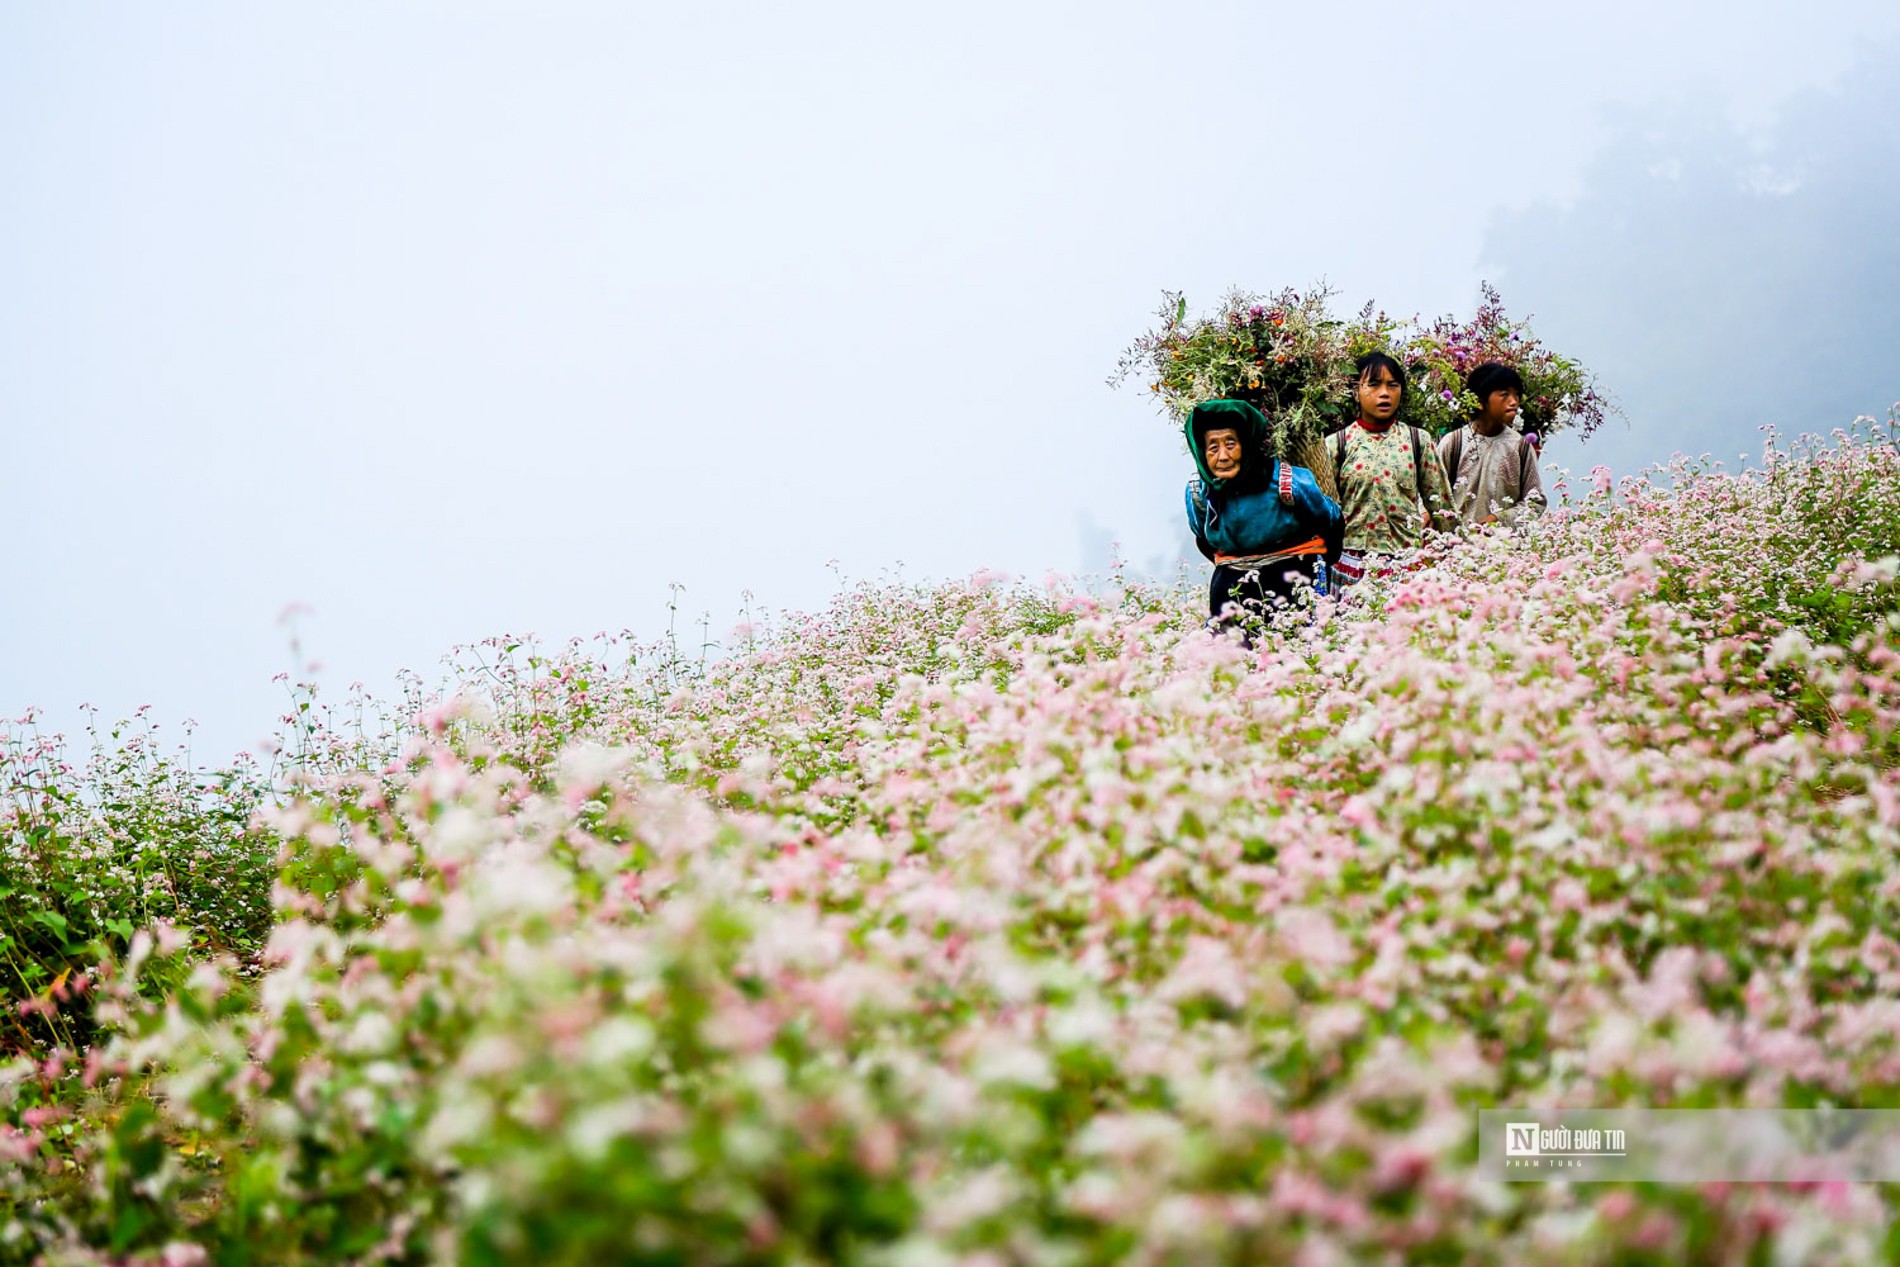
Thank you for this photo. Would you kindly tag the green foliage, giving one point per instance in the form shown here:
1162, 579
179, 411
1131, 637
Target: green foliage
987, 924
133, 838
1288, 355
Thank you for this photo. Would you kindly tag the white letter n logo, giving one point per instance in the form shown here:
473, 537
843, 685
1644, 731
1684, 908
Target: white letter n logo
1520, 1139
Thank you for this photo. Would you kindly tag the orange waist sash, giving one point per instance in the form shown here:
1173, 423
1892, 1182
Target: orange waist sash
1316, 546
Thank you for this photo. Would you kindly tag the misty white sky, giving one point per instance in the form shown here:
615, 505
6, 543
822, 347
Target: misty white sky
451, 320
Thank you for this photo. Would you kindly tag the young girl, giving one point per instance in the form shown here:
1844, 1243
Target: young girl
1392, 486
1263, 521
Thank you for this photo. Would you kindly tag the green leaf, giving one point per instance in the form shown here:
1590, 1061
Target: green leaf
133, 1219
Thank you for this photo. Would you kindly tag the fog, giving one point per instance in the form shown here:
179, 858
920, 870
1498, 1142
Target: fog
1723, 278
453, 320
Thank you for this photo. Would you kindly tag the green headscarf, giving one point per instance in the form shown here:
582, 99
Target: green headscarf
1239, 416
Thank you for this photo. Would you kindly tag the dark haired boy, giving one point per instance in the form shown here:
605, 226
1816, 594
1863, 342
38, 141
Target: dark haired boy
1493, 467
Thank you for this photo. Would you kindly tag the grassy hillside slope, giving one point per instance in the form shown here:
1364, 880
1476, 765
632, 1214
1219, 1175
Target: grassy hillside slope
975, 924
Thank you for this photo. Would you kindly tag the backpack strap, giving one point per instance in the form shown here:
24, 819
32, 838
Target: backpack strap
1456, 458
1199, 496
1418, 476
1339, 451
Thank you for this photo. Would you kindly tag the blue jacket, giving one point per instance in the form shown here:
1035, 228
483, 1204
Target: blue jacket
1246, 515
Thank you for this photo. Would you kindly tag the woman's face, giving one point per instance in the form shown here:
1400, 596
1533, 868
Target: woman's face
1379, 394
1221, 448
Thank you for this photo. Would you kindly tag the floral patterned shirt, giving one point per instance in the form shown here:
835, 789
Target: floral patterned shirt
1378, 489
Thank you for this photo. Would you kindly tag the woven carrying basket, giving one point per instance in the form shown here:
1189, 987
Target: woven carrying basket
1313, 453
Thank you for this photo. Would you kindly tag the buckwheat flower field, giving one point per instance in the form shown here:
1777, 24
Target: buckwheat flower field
988, 924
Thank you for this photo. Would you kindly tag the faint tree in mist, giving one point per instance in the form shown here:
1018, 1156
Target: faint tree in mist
1719, 279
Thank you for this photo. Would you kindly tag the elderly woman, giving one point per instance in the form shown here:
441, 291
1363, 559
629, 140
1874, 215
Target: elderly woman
1263, 522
